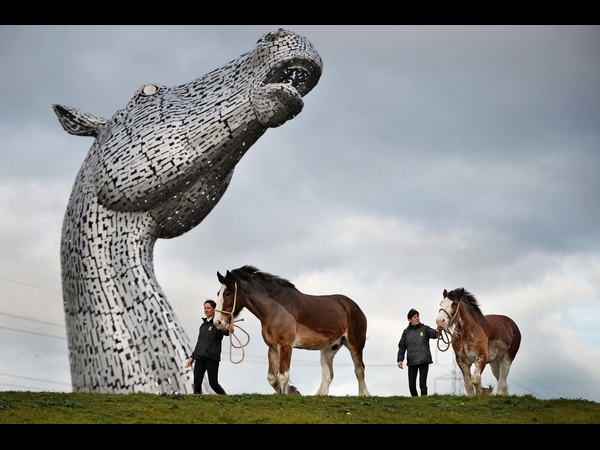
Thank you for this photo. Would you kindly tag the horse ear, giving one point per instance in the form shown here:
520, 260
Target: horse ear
461, 293
220, 277
445, 293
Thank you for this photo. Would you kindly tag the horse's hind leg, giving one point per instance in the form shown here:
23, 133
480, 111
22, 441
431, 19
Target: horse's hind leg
495, 366
504, 368
327, 355
359, 366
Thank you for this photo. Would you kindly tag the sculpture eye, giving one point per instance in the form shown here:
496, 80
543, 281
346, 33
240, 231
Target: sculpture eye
149, 89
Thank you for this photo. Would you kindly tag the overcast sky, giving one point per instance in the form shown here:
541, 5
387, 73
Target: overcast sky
427, 158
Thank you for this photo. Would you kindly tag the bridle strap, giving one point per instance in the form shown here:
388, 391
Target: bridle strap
232, 334
443, 334
453, 316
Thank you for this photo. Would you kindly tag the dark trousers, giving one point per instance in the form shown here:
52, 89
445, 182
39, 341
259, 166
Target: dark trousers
201, 366
422, 369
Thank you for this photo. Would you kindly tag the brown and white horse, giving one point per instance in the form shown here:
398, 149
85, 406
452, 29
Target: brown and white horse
291, 319
478, 339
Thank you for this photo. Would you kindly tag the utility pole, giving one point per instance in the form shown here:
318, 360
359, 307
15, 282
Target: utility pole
457, 379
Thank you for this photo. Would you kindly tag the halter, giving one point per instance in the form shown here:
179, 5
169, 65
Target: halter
231, 332
443, 334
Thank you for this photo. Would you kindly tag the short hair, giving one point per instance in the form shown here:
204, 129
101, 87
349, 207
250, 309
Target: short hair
412, 313
211, 303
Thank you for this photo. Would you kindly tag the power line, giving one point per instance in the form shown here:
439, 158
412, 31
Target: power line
531, 391
29, 388
32, 320
32, 332
538, 382
30, 285
34, 379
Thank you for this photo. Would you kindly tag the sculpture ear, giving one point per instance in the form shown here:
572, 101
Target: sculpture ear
445, 293
77, 122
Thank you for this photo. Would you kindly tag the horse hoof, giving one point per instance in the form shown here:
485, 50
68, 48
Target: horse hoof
294, 391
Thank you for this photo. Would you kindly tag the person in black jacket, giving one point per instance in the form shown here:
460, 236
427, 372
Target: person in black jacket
207, 353
415, 343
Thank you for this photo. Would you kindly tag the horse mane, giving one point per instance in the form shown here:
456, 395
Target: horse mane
251, 274
467, 298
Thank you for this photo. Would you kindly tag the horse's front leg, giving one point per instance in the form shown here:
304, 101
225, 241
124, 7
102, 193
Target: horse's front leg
273, 372
480, 364
466, 371
285, 358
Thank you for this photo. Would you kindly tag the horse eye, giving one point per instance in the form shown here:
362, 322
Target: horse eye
149, 89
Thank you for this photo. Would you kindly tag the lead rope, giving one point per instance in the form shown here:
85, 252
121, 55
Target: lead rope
232, 334
443, 335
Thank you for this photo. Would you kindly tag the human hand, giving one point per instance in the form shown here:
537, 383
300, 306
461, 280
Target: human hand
400, 365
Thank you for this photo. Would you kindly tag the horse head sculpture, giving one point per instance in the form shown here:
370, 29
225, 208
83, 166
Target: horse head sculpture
155, 170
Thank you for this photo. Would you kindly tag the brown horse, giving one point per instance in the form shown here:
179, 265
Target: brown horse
291, 319
479, 339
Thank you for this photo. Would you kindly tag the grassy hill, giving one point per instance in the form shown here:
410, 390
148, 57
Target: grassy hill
85, 408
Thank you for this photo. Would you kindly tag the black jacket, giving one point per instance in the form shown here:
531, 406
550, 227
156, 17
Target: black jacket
415, 343
209, 341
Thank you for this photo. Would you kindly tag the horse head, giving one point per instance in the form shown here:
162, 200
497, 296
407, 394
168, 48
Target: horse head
449, 307
230, 300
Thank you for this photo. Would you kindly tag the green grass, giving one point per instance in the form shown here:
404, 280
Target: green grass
86, 408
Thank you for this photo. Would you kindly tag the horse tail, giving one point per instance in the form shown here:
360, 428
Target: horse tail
357, 326
515, 343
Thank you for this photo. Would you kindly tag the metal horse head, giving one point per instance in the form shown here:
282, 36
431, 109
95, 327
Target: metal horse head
155, 170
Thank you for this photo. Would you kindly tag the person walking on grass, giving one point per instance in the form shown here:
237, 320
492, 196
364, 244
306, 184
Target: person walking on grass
207, 353
415, 344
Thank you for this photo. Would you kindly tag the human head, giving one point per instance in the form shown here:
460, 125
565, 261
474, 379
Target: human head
209, 308
413, 317
411, 313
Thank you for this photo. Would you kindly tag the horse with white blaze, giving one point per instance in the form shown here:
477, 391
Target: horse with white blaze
291, 319
479, 339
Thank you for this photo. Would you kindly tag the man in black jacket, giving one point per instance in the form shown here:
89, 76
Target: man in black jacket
415, 343
207, 353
